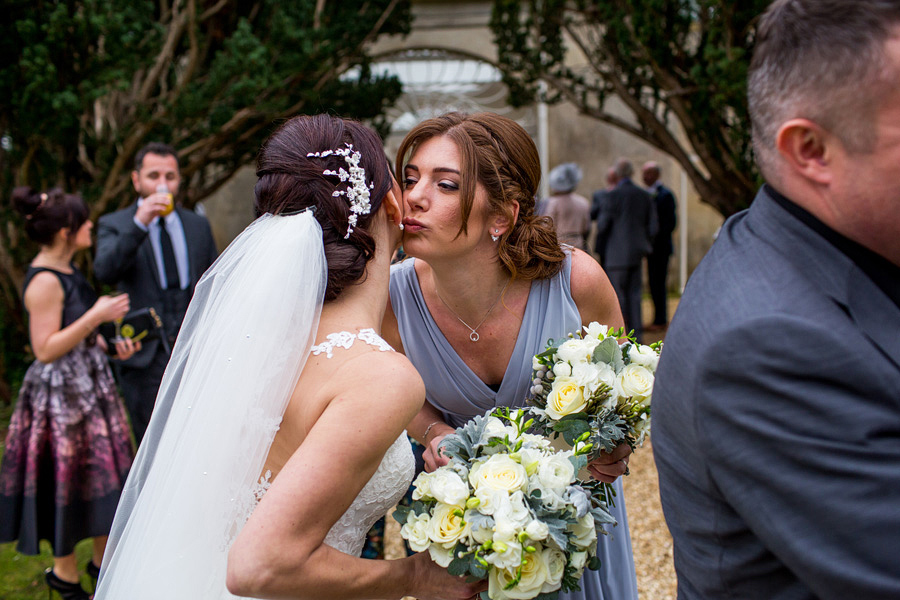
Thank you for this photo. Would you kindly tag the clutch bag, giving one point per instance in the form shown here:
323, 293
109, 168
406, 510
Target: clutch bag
138, 325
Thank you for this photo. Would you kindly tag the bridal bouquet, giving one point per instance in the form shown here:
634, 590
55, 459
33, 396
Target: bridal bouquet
592, 390
507, 507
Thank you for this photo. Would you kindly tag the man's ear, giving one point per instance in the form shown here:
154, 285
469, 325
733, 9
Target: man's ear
136, 181
808, 149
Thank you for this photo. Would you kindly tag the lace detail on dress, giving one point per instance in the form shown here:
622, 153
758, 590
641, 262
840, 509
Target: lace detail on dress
382, 491
345, 339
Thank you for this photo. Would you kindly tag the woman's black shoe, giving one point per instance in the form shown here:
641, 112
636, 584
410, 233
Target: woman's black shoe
66, 590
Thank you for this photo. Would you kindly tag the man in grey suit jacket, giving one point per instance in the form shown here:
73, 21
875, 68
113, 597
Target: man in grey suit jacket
776, 409
627, 222
157, 257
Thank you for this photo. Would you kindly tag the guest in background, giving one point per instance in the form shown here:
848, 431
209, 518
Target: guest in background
68, 449
658, 259
627, 220
597, 200
570, 212
776, 409
156, 252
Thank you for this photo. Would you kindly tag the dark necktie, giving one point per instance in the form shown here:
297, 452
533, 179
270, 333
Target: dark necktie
170, 266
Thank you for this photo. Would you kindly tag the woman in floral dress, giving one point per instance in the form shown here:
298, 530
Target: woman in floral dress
68, 448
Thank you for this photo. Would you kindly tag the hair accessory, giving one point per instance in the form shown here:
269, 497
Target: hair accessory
357, 192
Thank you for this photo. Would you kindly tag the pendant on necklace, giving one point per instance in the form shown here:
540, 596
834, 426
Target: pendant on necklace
474, 336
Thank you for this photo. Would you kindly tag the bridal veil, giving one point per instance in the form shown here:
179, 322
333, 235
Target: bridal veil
245, 339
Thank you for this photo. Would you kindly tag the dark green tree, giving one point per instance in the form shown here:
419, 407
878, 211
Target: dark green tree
679, 68
85, 83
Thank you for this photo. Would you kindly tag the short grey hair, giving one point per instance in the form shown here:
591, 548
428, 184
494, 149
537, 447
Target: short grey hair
822, 60
624, 168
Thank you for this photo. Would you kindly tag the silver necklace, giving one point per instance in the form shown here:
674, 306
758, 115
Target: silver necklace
474, 330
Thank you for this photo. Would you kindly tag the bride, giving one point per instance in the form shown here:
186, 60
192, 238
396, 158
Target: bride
278, 434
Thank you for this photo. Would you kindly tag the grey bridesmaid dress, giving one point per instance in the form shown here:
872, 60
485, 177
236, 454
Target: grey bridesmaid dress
459, 394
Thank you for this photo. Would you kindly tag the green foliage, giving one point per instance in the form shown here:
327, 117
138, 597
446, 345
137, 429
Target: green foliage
674, 64
86, 83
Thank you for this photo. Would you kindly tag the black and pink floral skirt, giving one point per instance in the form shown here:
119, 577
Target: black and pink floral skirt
67, 454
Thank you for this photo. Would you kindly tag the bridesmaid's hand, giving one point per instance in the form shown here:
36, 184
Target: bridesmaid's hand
610, 466
432, 455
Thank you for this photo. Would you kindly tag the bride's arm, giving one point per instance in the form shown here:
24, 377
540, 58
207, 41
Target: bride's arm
280, 552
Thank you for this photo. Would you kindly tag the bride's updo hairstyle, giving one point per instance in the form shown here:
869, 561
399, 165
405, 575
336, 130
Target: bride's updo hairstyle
499, 154
46, 213
290, 181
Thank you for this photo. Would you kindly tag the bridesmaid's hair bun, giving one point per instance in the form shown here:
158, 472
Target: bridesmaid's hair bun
46, 213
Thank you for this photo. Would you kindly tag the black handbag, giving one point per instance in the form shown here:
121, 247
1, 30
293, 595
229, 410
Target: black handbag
139, 325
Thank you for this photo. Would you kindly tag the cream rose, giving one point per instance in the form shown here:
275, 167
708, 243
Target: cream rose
537, 530
634, 381
566, 397
415, 531
499, 472
448, 487
534, 576
441, 555
445, 526
562, 369
577, 560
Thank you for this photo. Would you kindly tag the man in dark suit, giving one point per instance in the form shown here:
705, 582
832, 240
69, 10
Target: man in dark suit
627, 221
597, 200
156, 255
658, 259
776, 409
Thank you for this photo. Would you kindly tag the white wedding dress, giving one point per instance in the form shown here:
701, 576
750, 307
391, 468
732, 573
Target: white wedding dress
196, 478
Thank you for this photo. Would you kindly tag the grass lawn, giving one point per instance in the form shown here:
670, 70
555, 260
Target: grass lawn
22, 577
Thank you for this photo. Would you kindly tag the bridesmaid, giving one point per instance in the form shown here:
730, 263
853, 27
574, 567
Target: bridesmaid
68, 448
488, 285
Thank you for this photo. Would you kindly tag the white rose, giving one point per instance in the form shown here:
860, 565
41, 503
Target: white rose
644, 356
556, 566
576, 351
422, 486
634, 381
415, 531
493, 427
445, 526
534, 576
577, 560
537, 530
441, 555
595, 330
448, 487
499, 472
512, 511
556, 472
566, 397
584, 531
490, 500
562, 369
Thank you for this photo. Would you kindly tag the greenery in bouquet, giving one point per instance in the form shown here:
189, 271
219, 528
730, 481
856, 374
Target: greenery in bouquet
593, 389
508, 507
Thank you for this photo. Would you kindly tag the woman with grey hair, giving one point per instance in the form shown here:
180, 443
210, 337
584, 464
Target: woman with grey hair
571, 213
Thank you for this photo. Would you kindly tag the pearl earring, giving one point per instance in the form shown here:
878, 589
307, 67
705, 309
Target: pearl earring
401, 227
496, 237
